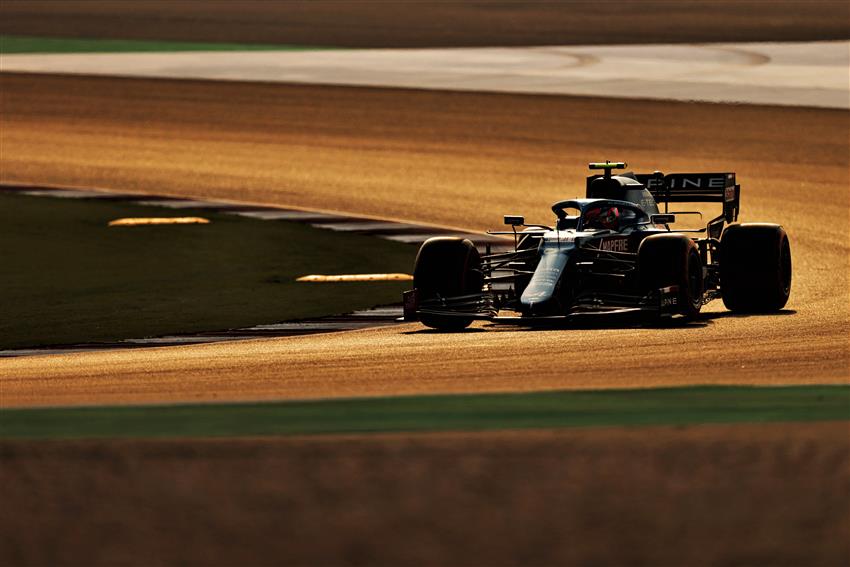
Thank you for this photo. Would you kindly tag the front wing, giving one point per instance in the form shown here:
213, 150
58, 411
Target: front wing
662, 302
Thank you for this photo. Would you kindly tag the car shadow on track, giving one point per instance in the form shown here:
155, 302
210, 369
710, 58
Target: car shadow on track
574, 326
733, 315
603, 323
429, 331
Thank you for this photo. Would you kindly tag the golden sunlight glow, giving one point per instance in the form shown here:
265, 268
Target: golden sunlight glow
356, 278
161, 220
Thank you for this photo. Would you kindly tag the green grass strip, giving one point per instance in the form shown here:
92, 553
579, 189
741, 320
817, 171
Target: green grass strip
10, 44
669, 406
70, 278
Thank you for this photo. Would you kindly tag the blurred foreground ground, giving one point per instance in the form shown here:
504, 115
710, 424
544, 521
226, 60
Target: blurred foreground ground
706, 495
431, 23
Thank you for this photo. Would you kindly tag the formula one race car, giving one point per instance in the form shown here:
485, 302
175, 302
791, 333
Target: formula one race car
612, 252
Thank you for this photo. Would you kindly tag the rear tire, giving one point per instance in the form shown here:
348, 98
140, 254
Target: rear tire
672, 259
755, 267
447, 267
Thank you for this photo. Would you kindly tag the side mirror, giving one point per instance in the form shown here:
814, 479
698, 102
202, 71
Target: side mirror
662, 219
514, 220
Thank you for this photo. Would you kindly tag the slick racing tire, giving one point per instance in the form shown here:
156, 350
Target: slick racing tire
672, 259
755, 267
447, 267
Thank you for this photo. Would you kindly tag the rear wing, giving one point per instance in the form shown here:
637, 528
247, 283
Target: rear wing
691, 188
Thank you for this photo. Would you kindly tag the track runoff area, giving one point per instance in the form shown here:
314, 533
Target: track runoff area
658, 407
172, 271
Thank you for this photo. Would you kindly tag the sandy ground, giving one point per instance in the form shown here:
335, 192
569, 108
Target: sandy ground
447, 158
709, 495
428, 23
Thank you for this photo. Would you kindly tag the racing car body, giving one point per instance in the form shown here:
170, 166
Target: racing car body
610, 252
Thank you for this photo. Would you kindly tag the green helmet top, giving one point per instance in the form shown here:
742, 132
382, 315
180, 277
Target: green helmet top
607, 166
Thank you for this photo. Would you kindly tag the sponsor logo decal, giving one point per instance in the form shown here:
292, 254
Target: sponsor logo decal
702, 182
668, 296
648, 203
614, 244
690, 181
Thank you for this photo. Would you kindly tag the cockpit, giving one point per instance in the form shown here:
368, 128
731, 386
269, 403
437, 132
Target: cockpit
609, 217
597, 214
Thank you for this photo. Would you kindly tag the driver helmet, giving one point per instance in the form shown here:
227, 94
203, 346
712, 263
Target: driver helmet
603, 217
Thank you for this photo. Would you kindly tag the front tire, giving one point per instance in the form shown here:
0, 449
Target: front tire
447, 267
755, 267
673, 259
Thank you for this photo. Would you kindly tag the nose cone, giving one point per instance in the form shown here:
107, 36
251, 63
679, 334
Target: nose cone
540, 292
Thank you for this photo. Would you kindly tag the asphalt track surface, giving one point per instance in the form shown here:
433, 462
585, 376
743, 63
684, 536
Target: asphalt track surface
451, 159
